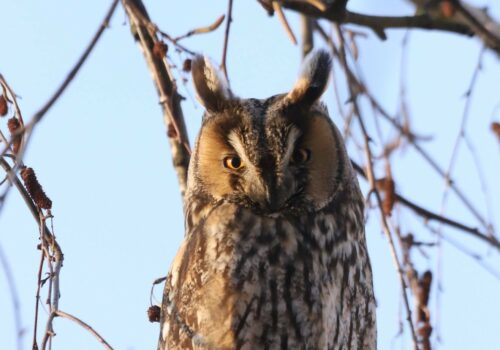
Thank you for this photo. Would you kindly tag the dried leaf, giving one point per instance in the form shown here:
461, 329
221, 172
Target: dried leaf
160, 49
4, 108
186, 65
14, 125
424, 289
154, 313
387, 187
447, 8
495, 127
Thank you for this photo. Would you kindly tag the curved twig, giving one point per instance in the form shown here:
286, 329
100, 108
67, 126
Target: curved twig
91, 330
202, 30
145, 34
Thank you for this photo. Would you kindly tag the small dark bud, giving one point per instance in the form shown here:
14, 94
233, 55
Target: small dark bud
154, 313
186, 65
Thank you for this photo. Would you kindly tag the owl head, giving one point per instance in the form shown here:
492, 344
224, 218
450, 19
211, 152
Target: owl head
272, 155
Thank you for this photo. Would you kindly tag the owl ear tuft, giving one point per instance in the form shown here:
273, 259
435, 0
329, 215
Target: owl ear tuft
312, 80
211, 87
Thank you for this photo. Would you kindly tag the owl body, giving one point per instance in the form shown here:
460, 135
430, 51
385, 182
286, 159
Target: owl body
274, 255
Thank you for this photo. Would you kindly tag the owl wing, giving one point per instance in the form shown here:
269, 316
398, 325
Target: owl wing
198, 313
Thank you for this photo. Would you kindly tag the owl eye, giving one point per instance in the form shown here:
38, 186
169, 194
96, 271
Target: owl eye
301, 155
233, 163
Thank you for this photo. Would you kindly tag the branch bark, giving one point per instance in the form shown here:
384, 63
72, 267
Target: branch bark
144, 32
84, 325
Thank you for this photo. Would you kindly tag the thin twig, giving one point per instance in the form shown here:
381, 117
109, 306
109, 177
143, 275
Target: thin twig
284, 22
202, 30
429, 215
37, 298
91, 330
426, 214
377, 23
144, 19
104, 25
16, 306
482, 181
387, 232
155, 282
12, 98
461, 133
48, 241
307, 31
45, 108
489, 38
223, 64
47, 335
467, 251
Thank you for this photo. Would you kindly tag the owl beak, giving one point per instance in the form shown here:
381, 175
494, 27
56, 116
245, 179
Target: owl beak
273, 203
268, 193
270, 199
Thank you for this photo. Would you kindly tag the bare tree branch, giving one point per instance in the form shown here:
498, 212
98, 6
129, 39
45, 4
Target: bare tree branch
377, 23
307, 29
284, 22
144, 32
223, 64
18, 324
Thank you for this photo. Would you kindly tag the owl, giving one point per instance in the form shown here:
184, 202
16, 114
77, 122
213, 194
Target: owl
274, 255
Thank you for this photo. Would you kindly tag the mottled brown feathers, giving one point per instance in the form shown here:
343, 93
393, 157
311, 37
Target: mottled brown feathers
274, 255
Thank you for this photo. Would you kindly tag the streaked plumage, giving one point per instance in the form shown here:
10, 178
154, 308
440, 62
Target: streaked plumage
274, 255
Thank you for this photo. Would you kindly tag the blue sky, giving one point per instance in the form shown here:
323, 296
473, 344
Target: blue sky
103, 158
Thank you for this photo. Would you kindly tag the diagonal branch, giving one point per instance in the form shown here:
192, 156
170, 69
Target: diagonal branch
16, 305
202, 30
144, 32
429, 215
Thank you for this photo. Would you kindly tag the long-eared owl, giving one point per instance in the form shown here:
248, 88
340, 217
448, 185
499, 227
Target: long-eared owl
274, 255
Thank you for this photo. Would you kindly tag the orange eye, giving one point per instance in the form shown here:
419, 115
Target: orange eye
233, 163
301, 155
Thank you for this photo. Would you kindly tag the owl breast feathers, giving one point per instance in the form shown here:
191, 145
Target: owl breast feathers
274, 255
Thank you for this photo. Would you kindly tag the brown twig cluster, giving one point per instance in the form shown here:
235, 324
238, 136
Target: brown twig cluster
495, 127
421, 289
39, 204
